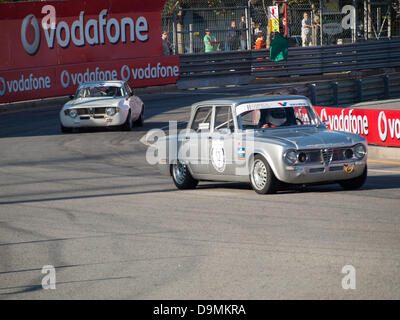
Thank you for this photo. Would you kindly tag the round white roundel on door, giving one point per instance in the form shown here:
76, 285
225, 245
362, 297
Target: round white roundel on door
218, 155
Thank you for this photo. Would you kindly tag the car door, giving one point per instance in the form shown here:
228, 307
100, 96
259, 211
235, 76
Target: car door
132, 102
221, 142
196, 140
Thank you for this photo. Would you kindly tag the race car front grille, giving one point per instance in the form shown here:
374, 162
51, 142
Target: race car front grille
326, 155
91, 111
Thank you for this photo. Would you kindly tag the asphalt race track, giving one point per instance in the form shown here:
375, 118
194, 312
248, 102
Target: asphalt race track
90, 205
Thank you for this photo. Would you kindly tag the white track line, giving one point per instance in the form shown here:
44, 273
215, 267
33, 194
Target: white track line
385, 171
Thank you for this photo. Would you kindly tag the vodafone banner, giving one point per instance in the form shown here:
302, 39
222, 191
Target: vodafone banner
380, 127
47, 48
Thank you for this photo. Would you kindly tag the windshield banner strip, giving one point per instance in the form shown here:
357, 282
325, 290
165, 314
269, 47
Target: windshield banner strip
272, 104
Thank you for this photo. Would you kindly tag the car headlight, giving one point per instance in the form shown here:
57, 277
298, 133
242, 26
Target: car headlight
302, 157
111, 111
360, 151
73, 113
348, 154
291, 157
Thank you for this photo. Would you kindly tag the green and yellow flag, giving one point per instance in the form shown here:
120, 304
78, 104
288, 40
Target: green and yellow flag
279, 48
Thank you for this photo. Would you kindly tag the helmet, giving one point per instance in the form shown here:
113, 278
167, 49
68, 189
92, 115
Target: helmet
276, 116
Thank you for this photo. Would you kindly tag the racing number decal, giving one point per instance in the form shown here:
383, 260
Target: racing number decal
218, 155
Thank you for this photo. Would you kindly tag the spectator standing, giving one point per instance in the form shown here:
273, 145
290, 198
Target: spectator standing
306, 28
255, 30
231, 42
260, 43
243, 33
282, 28
210, 43
166, 44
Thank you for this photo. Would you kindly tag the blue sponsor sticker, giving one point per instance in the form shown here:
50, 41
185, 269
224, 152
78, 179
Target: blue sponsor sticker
241, 153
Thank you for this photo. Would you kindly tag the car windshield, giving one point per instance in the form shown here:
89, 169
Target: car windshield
264, 118
99, 91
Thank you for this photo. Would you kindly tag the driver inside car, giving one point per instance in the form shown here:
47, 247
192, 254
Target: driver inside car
271, 118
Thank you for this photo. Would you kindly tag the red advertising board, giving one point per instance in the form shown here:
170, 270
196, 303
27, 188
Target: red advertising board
47, 48
380, 127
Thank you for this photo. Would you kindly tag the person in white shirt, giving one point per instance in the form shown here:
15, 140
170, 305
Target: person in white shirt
306, 28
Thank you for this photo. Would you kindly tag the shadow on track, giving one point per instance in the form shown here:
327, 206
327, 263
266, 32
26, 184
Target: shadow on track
372, 183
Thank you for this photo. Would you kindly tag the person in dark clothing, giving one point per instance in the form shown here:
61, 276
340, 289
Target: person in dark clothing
255, 30
231, 42
243, 33
167, 47
282, 28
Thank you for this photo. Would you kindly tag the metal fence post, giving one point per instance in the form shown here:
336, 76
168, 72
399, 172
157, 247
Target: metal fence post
174, 34
313, 93
248, 17
359, 90
321, 23
335, 93
354, 37
386, 87
191, 38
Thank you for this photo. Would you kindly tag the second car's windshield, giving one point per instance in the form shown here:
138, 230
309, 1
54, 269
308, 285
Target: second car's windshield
100, 91
276, 117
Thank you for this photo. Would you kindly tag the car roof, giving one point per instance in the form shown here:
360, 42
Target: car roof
236, 101
117, 83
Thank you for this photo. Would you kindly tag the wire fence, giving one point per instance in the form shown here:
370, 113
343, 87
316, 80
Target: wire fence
327, 22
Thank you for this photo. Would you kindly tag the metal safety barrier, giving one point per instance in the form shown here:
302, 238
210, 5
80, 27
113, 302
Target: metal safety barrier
352, 91
241, 67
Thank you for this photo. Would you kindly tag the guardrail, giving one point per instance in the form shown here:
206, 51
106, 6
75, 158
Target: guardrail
217, 68
240, 67
352, 91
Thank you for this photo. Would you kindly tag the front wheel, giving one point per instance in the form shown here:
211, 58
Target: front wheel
65, 129
262, 177
140, 121
355, 183
182, 177
127, 125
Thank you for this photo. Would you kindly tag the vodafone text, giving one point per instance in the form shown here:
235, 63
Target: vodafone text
387, 125
150, 72
346, 122
127, 73
22, 84
92, 32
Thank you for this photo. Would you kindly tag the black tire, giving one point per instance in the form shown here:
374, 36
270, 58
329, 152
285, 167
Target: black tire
262, 178
127, 126
356, 183
140, 121
65, 129
182, 177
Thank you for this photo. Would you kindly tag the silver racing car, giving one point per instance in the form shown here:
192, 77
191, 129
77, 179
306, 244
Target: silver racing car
103, 104
265, 141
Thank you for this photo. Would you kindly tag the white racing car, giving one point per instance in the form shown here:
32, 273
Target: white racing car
103, 104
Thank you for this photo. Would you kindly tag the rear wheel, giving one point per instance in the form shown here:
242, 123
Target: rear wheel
355, 183
182, 177
262, 177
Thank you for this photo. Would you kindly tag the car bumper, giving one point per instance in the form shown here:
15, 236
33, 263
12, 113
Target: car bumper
319, 173
90, 121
